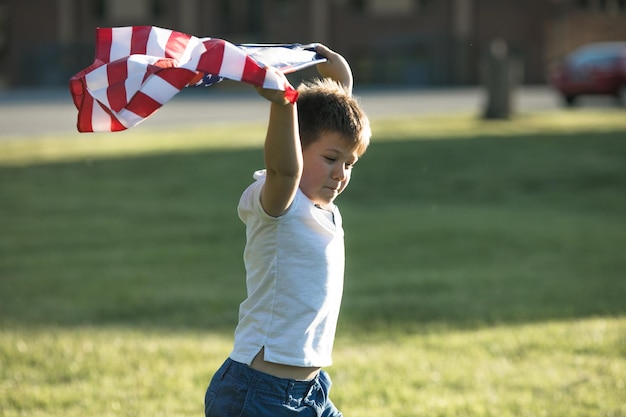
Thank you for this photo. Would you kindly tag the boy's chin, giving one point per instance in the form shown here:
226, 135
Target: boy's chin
326, 203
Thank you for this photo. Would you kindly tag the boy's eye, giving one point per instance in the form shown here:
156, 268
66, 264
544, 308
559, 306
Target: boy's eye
333, 159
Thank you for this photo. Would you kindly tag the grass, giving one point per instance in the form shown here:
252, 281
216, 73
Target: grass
485, 271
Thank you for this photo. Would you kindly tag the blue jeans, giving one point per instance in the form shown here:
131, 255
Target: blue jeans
237, 390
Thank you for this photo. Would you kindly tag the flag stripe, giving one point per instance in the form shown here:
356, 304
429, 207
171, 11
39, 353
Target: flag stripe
158, 42
176, 45
120, 43
104, 38
139, 40
101, 121
160, 89
177, 77
117, 73
143, 105
233, 62
190, 55
141, 67
252, 73
97, 79
130, 119
211, 61
291, 94
116, 95
85, 115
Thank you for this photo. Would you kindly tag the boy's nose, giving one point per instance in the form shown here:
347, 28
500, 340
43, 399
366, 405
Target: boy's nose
340, 173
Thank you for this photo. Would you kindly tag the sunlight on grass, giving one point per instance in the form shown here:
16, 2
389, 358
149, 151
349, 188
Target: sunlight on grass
552, 368
22, 151
454, 127
119, 372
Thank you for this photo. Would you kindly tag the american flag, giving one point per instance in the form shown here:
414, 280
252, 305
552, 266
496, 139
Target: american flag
137, 69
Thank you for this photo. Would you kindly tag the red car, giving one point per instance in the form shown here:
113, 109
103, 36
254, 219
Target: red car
594, 69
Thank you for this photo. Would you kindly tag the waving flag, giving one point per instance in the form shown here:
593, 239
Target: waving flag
137, 69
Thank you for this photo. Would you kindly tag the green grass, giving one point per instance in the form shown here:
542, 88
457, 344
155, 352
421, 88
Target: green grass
485, 269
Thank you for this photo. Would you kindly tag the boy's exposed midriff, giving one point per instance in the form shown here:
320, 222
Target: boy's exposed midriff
283, 371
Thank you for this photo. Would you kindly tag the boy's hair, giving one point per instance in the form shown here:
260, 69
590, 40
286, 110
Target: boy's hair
327, 106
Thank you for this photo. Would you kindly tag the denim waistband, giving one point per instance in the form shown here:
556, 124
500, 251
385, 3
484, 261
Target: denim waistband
260, 380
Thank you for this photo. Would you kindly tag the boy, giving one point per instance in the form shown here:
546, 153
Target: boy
294, 254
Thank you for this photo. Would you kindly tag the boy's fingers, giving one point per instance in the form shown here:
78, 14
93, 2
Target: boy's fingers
324, 51
321, 49
335, 67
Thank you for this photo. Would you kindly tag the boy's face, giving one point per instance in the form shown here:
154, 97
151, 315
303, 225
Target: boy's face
327, 168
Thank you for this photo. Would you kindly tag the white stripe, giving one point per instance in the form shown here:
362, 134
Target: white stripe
233, 62
144, 59
136, 65
100, 120
120, 42
159, 89
100, 94
157, 41
128, 118
97, 79
273, 81
195, 52
190, 53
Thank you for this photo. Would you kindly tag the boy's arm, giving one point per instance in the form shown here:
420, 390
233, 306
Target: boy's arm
282, 154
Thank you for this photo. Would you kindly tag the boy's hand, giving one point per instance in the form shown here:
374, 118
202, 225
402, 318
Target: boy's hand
336, 67
275, 96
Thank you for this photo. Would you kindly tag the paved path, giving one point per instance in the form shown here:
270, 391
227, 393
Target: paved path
33, 112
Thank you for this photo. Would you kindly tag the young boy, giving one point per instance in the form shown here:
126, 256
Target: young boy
294, 254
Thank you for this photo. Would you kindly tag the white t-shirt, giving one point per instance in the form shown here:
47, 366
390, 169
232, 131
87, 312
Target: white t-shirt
294, 267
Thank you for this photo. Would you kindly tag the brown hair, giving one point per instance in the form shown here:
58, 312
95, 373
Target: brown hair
327, 106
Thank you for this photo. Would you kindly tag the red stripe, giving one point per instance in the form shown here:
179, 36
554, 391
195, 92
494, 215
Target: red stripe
77, 88
116, 126
211, 60
252, 73
176, 45
104, 38
178, 77
117, 73
139, 39
291, 94
143, 105
83, 124
117, 97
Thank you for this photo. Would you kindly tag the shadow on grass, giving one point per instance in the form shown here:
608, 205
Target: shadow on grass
459, 233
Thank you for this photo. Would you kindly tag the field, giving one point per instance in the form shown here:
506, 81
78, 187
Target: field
485, 269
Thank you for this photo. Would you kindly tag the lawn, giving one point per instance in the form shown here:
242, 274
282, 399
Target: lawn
484, 277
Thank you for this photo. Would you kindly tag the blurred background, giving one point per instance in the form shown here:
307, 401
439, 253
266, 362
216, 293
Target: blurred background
416, 43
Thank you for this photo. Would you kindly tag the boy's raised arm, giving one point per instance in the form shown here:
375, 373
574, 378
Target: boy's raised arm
282, 154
